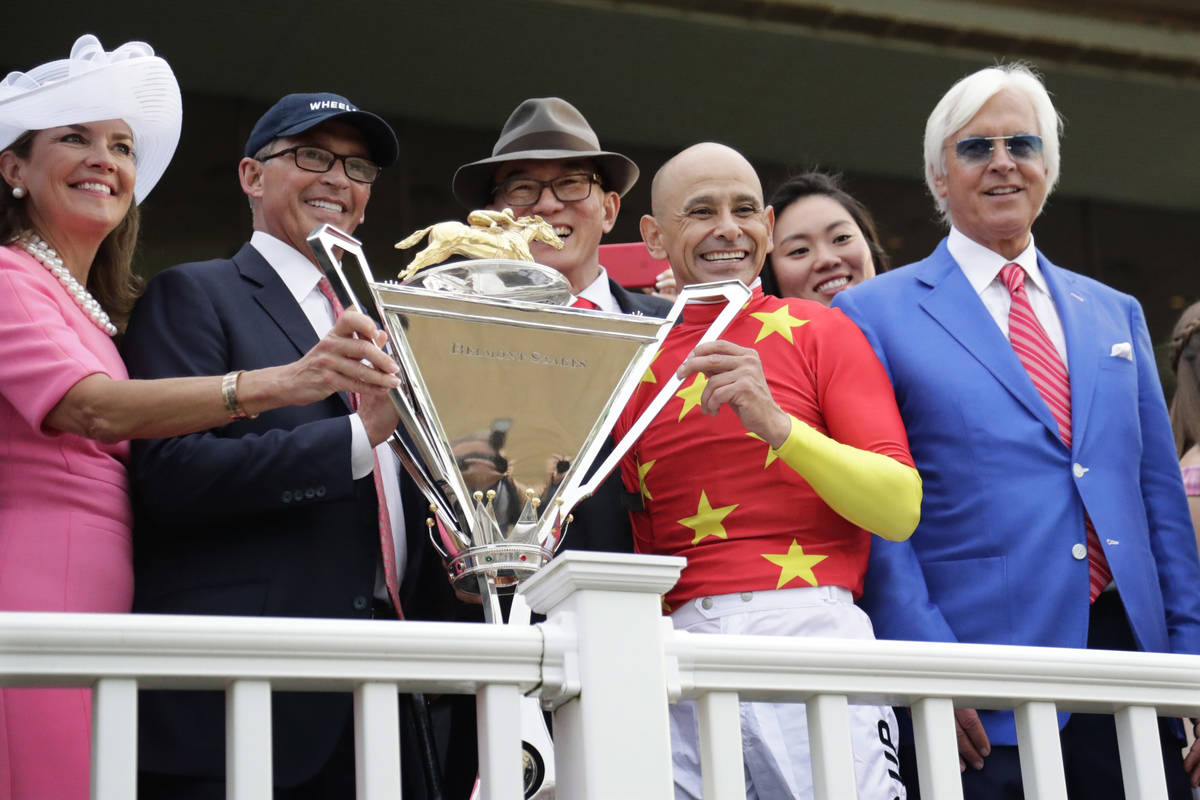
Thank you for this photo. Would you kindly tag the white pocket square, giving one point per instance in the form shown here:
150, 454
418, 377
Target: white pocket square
1122, 350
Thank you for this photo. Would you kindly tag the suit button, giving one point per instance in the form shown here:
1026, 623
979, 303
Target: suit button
1079, 551
707, 602
320, 491
286, 496
360, 603
1078, 469
309, 494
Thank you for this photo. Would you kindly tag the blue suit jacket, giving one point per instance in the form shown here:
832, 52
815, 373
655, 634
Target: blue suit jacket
260, 517
1004, 499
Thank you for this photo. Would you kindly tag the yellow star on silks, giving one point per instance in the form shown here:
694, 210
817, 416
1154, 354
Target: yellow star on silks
771, 456
707, 520
691, 394
778, 321
649, 376
642, 470
795, 563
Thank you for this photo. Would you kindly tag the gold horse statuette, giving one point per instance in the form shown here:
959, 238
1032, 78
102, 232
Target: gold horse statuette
487, 234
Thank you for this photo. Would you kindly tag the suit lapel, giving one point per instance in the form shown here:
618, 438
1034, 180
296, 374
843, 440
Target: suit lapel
954, 304
1077, 312
273, 297
624, 299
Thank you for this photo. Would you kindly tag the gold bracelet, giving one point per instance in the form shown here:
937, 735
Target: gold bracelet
229, 395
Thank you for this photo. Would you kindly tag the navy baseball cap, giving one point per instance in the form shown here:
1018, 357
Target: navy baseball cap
296, 113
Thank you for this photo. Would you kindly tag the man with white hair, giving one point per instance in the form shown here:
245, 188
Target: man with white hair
1053, 512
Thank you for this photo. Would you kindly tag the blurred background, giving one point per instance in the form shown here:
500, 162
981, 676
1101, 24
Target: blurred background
843, 85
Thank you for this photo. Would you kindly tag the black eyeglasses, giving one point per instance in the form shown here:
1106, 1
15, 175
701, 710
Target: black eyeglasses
978, 149
318, 159
526, 191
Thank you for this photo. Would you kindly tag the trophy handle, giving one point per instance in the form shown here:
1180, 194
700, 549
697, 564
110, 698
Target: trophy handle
735, 293
323, 240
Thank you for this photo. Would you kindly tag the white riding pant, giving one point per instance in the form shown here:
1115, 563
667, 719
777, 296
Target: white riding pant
775, 748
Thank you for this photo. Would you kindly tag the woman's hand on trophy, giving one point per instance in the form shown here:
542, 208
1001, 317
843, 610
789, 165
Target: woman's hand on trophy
347, 359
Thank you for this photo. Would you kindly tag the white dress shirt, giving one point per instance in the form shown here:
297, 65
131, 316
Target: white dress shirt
599, 292
982, 268
301, 277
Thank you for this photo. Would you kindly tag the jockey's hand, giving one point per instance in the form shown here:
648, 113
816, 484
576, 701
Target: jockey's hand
734, 376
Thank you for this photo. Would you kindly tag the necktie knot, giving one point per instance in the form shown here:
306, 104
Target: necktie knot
583, 302
1013, 276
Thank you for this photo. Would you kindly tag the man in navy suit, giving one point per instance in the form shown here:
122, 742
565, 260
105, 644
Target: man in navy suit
548, 161
1037, 488
277, 514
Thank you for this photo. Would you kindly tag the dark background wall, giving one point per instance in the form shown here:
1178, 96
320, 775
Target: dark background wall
841, 84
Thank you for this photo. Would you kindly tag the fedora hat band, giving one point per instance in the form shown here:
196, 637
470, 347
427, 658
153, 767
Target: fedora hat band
547, 140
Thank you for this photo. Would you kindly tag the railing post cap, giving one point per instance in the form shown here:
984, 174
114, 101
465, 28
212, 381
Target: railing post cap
577, 570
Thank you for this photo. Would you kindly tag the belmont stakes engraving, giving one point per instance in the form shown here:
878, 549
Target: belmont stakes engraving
533, 356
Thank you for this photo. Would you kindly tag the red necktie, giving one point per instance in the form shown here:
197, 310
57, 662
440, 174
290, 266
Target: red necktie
1045, 367
583, 302
386, 544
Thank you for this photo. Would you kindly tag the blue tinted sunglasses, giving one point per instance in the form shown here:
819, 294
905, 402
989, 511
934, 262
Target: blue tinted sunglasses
978, 149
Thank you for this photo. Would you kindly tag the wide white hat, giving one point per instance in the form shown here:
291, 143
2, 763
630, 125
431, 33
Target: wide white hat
129, 83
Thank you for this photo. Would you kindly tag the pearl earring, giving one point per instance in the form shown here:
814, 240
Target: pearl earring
18, 192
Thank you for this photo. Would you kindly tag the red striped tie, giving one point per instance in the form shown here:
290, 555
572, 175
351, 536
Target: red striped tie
583, 302
1045, 367
387, 545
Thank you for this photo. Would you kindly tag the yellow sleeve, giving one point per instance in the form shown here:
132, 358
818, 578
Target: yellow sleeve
875, 492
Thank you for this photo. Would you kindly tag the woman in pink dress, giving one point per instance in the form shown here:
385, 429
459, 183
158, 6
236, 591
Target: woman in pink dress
82, 141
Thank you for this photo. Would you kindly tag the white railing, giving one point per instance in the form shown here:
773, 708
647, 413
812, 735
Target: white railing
604, 656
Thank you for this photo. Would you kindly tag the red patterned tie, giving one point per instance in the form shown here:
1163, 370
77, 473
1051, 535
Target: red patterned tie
386, 544
583, 302
1045, 367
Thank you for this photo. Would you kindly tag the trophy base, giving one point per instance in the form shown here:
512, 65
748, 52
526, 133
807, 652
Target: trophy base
502, 566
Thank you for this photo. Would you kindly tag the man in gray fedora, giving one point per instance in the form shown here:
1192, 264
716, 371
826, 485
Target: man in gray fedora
547, 161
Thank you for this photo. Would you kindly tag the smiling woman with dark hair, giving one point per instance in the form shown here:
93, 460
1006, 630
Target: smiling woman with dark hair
82, 140
824, 240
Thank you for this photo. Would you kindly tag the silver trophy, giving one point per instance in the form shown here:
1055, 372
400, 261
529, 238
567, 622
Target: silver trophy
508, 397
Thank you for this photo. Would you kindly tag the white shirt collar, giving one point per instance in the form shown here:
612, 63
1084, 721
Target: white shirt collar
598, 292
298, 273
982, 266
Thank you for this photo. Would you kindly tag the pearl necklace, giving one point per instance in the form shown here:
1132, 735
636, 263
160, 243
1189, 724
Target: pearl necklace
37, 247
